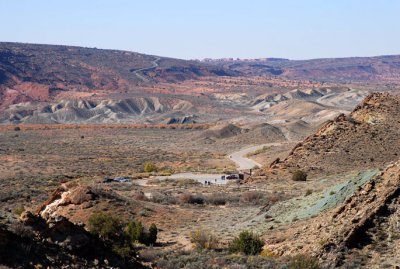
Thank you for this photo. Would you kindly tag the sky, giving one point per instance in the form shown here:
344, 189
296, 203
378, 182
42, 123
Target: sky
197, 29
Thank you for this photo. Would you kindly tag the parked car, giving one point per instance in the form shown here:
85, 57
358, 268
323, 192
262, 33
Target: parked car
232, 177
122, 179
108, 180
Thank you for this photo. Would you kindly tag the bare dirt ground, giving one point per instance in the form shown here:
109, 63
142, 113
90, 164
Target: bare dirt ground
37, 161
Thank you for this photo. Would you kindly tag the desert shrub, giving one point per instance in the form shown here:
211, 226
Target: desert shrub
186, 182
140, 196
149, 167
145, 212
153, 231
258, 151
71, 184
208, 259
164, 199
308, 192
17, 128
137, 233
247, 243
197, 199
149, 255
252, 197
22, 230
302, 261
19, 210
185, 197
191, 199
123, 249
202, 239
267, 253
216, 199
105, 226
299, 175
273, 199
165, 173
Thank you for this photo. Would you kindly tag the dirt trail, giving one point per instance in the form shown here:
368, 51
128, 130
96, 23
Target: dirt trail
243, 163
154, 65
238, 157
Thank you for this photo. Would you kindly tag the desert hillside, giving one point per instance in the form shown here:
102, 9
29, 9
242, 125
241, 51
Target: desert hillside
366, 138
31, 72
380, 69
361, 232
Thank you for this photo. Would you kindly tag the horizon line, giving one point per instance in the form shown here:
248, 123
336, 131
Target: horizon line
203, 59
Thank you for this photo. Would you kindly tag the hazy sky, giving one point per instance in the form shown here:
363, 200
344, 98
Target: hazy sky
296, 29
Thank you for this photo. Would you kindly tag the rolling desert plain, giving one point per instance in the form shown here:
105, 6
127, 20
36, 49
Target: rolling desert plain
116, 159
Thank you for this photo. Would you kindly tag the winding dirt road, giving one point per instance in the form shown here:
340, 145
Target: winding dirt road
238, 157
244, 163
154, 65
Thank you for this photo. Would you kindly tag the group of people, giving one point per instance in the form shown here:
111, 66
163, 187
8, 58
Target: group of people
209, 182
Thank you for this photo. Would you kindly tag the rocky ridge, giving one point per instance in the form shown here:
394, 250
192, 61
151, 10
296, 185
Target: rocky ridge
366, 138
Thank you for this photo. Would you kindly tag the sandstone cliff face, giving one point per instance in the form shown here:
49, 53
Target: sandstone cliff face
367, 138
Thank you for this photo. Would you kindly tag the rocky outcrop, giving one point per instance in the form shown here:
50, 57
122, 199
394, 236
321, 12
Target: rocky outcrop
58, 230
81, 195
36, 242
367, 138
366, 222
352, 221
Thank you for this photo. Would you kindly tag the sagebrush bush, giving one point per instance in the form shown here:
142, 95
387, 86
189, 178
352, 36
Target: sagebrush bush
164, 199
252, 197
191, 198
216, 199
247, 243
267, 253
299, 175
140, 196
19, 210
216, 259
149, 255
149, 167
202, 239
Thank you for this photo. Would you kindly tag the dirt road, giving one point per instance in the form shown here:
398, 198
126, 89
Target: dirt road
243, 163
154, 65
